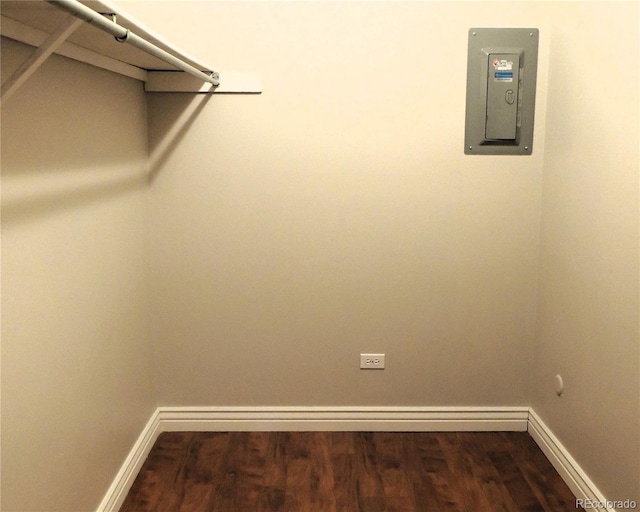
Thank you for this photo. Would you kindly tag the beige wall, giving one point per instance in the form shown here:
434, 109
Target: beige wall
336, 213
76, 379
588, 304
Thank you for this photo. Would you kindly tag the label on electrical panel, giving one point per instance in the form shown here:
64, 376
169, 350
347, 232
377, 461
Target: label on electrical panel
502, 70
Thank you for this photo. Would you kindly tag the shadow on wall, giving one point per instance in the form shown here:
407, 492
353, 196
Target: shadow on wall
65, 145
31, 206
58, 187
170, 128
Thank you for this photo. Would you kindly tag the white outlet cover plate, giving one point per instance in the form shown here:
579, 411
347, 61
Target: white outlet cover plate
372, 361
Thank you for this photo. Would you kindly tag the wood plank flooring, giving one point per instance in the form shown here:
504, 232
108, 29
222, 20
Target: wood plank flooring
347, 472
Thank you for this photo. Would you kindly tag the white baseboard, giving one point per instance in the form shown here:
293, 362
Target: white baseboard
566, 466
212, 419
407, 419
123, 481
389, 419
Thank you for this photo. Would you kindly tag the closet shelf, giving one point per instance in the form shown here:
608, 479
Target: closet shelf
36, 23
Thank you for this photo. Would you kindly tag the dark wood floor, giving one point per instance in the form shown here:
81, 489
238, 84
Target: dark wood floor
347, 472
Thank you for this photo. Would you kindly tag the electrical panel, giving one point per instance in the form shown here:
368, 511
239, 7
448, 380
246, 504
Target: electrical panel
501, 91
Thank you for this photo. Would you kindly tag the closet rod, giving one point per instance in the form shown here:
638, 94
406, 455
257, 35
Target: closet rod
125, 35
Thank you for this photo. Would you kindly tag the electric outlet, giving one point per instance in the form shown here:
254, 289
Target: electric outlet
372, 361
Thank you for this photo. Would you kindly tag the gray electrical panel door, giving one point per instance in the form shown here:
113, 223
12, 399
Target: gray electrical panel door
502, 94
501, 86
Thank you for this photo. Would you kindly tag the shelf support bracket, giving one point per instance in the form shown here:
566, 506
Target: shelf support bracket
50, 44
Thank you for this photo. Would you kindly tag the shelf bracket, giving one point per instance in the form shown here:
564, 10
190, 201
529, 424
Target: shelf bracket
50, 44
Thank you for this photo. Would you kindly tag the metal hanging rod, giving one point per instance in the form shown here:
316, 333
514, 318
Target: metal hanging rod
124, 35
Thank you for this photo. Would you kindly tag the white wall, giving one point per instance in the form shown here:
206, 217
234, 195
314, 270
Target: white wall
588, 305
336, 213
76, 366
